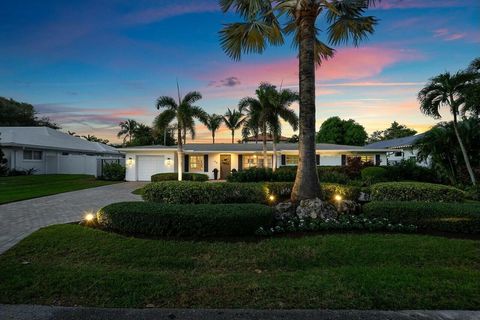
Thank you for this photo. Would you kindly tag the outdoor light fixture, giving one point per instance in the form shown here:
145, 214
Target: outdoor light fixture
168, 162
338, 197
89, 217
271, 197
130, 161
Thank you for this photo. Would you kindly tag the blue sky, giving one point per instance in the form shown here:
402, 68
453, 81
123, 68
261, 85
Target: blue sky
91, 64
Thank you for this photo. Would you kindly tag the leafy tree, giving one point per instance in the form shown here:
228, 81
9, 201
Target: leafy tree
213, 123
395, 131
21, 114
184, 112
127, 130
472, 90
337, 131
233, 120
93, 138
343, 21
142, 136
448, 90
293, 139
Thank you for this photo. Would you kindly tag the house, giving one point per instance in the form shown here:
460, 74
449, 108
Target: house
269, 139
143, 162
400, 149
49, 151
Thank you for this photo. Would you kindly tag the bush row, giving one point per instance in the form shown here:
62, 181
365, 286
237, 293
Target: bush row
415, 191
452, 217
155, 219
173, 176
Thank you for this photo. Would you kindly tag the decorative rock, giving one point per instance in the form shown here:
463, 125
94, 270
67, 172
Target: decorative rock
364, 197
348, 207
316, 209
284, 210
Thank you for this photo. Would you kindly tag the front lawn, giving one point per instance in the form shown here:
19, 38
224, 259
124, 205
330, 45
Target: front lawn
27, 187
74, 265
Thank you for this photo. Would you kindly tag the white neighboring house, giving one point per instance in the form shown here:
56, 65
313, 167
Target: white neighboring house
49, 151
401, 149
143, 162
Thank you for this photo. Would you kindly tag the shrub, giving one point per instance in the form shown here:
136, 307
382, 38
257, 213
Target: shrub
473, 192
282, 190
285, 174
184, 192
251, 175
374, 174
415, 191
156, 219
334, 177
173, 176
453, 217
410, 170
113, 172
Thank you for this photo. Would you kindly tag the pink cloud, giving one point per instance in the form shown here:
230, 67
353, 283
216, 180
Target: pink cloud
448, 35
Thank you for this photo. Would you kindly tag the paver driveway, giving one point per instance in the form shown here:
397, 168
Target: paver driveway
19, 219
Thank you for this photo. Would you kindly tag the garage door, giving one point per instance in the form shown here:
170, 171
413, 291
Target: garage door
149, 165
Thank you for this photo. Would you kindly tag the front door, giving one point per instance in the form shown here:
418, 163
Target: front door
225, 165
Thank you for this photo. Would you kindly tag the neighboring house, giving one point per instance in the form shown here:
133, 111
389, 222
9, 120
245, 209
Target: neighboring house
259, 139
49, 151
400, 149
143, 162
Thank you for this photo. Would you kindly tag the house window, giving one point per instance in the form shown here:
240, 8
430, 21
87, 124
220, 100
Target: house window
32, 155
363, 159
291, 160
196, 162
256, 161
398, 154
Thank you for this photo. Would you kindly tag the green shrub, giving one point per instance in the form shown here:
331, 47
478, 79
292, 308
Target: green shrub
452, 217
334, 177
173, 176
282, 190
415, 191
410, 170
374, 174
285, 174
113, 172
184, 192
157, 219
251, 175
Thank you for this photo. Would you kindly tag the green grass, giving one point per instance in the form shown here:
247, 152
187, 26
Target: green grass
28, 187
75, 265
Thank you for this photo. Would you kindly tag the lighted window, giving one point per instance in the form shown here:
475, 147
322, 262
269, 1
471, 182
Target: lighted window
32, 155
363, 159
196, 162
291, 160
251, 161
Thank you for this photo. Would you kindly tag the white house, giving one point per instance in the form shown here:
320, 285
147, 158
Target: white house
401, 149
143, 162
50, 151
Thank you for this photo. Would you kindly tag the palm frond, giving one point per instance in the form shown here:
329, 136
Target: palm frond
166, 102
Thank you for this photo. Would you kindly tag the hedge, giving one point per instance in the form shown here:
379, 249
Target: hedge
185, 192
415, 191
282, 190
155, 219
452, 217
374, 174
173, 176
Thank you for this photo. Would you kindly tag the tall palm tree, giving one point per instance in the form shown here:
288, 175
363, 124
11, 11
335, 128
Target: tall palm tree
233, 120
261, 26
185, 113
448, 90
127, 129
213, 122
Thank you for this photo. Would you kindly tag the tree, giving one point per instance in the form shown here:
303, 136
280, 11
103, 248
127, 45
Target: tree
233, 120
472, 90
93, 138
447, 90
127, 129
293, 139
395, 131
337, 131
184, 113
21, 114
213, 122
3, 162
344, 21
142, 135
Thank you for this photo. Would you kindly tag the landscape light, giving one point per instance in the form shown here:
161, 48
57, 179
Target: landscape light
338, 197
89, 217
271, 197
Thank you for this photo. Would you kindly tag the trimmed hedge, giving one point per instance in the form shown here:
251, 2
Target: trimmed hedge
185, 192
113, 172
251, 175
155, 219
173, 176
374, 174
282, 190
451, 217
415, 191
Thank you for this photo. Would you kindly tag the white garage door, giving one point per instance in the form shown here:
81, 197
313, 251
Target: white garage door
149, 165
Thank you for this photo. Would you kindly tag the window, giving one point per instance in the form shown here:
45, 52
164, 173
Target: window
363, 159
291, 160
256, 161
196, 162
398, 154
32, 155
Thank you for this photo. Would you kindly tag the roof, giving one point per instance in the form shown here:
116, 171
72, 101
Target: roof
259, 138
396, 143
248, 147
50, 139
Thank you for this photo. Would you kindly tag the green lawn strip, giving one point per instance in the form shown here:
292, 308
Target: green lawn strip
74, 265
28, 187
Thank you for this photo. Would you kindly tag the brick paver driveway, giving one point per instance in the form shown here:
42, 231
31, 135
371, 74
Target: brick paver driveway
19, 219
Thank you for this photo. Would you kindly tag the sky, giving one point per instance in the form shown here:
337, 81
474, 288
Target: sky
89, 64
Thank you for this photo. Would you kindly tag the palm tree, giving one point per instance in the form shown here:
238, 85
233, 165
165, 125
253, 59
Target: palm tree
261, 26
127, 129
185, 113
213, 122
233, 120
448, 90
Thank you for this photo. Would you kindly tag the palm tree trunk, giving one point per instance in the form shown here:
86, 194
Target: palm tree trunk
165, 136
306, 184
464, 151
213, 137
233, 136
264, 129
180, 154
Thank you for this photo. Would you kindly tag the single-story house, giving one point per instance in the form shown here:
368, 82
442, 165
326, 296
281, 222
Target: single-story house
145, 161
401, 149
49, 151
268, 139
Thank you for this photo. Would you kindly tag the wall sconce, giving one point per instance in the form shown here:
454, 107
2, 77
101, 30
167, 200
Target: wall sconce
168, 162
130, 162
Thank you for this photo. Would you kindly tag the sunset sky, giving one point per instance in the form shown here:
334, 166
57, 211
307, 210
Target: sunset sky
90, 64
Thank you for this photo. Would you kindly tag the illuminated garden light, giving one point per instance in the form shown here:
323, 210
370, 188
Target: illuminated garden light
89, 217
271, 197
338, 197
